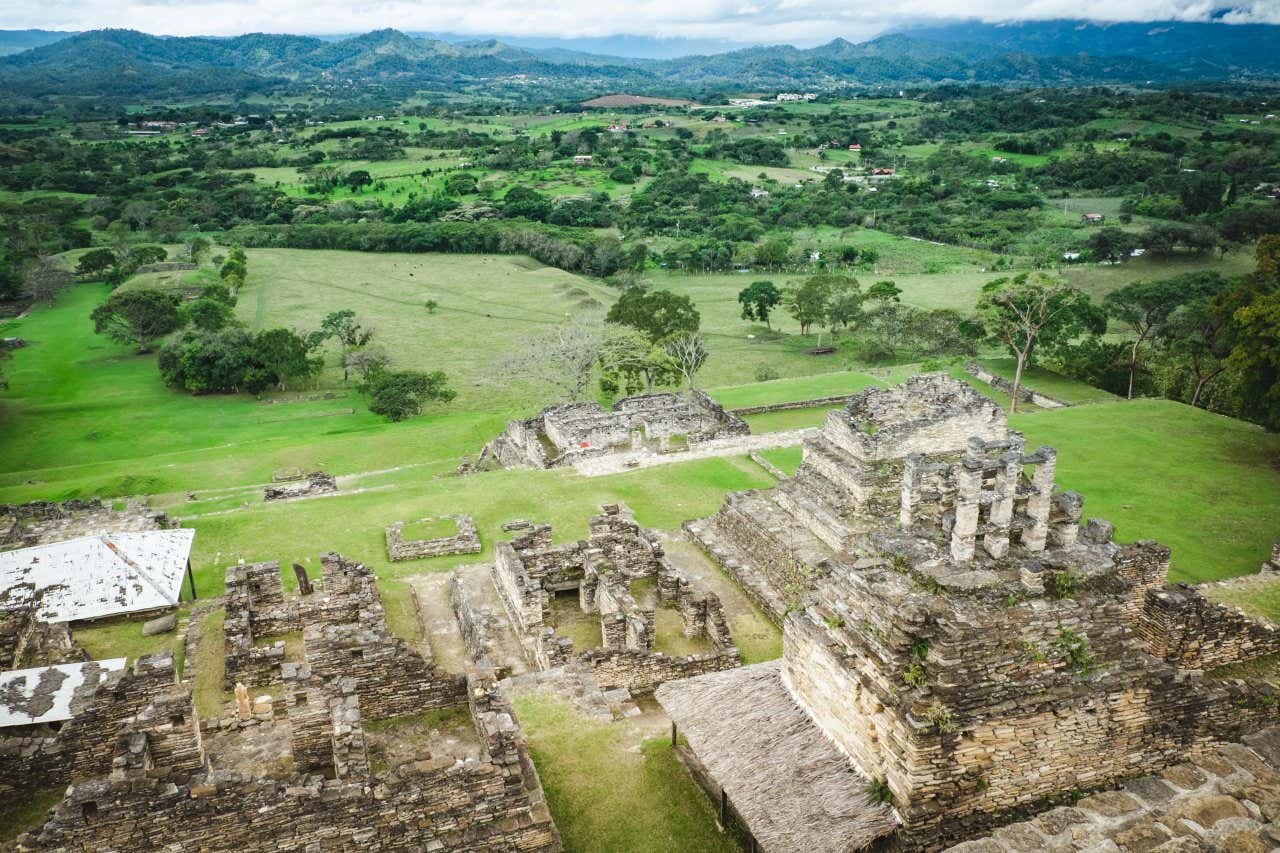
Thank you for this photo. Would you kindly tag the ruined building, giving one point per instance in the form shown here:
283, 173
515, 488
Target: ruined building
343, 751
958, 650
619, 590
571, 432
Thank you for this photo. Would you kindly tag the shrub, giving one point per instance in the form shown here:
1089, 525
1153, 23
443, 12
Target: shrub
401, 394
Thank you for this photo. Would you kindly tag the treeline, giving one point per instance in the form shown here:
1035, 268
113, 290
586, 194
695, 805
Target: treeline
567, 250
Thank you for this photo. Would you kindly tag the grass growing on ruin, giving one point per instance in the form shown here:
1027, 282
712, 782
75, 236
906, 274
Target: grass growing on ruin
786, 458
123, 637
209, 666
788, 419
19, 814
838, 383
612, 789
401, 610
1203, 484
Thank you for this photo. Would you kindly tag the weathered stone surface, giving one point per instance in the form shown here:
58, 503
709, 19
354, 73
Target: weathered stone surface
159, 625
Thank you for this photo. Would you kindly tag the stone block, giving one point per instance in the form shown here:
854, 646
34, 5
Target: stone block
159, 625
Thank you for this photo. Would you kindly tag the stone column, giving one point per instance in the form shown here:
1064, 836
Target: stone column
1040, 502
1066, 524
350, 756
968, 490
996, 541
912, 475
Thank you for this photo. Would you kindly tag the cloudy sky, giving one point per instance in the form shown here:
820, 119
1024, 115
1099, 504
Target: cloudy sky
802, 22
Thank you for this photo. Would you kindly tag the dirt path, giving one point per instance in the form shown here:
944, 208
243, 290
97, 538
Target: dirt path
504, 647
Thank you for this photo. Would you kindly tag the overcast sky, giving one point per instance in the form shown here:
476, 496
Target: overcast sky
802, 22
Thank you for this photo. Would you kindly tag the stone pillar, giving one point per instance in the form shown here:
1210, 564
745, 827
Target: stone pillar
1040, 502
912, 475
244, 710
1068, 507
968, 489
996, 541
350, 757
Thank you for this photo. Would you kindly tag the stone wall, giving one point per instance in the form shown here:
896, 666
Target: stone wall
465, 541
34, 757
1025, 394
814, 403
1184, 628
46, 521
641, 671
316, 483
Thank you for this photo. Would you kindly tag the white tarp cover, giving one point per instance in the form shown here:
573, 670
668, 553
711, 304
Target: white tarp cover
43, 694
97, 576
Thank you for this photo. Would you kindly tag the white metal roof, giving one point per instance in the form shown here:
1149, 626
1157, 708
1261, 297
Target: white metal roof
44, 694
102, 575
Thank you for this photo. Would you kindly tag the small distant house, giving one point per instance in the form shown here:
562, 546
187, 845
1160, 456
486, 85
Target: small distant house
1137, 253
856, 146
1092, 218
999, 159
815, 256
582, 160
756, 192
1071, 256
618, 128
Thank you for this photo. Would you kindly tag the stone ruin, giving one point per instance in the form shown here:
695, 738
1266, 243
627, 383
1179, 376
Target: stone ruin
162, 778
465, 541
315, 483
571, 432
954, 640
619, 582
41, 522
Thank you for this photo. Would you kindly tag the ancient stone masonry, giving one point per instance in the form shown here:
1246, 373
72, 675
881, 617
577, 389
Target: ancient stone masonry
602, 571
564, 434
1224, 798
465, 541
965, 643
316, 483
163, 788
33, 757
39, 522
1183, 627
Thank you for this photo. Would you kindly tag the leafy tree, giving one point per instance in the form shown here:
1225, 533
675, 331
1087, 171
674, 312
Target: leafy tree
808, 301
688, 352
43, 279
1256, 350
521, 201
658, 313
1033, 310
622, 175
283, 356
845, 306
342, 326
758, 300
631, 363
197, 248
1145, 306
401, 394
148, 254
358, 180
1112, 244
460, 183
773, 253
95, 261
207, 314
137, 317
1199, 334
884, 291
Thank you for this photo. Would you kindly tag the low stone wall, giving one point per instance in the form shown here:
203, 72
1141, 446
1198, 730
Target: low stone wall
465, 541
814, 403
1184, 628
1025, 394
642, 672
317, 483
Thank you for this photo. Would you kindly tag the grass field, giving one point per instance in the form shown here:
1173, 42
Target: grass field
615, 787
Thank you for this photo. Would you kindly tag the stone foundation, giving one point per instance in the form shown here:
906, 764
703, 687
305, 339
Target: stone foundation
465, 541
316, 483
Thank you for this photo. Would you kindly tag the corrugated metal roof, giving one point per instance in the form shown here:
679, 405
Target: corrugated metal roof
97, 576
44, 694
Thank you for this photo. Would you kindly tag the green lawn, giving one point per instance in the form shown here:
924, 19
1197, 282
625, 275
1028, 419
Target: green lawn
1047, 382
611, 788
793, 390
1205, 485
813, 416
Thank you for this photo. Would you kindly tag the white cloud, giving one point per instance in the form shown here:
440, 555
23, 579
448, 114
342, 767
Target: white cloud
767, 21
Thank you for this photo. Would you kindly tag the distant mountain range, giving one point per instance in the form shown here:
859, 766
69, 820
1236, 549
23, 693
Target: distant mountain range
125, 63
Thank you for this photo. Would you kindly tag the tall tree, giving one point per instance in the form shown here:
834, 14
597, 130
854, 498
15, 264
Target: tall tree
343, 327
1030, 310
1145, 307
807, 302
564, 357
283, 354
631, 363
402, 393
758, 300
658, 313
